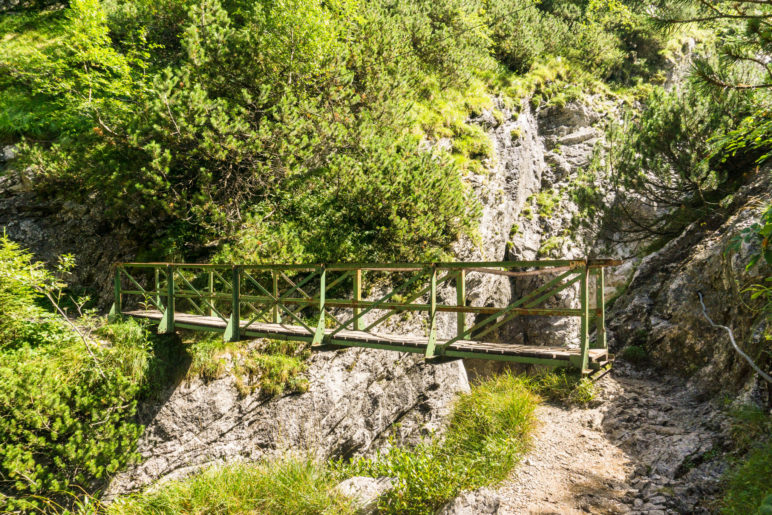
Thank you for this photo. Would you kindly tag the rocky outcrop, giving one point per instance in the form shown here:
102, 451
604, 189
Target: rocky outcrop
661, 312
354, 400
52, 227
538, 153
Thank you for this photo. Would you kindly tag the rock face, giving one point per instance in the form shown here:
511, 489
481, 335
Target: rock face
51, 228
354, 399
661, 312
535, 152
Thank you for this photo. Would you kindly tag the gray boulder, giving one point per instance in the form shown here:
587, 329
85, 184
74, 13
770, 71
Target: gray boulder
365, 491
476, 502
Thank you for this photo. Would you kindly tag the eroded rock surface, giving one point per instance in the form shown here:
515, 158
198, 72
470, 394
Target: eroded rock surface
482, 501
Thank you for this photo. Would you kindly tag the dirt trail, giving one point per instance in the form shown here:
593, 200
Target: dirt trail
648, 445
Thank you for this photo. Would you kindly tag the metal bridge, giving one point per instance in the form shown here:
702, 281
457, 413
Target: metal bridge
352, 305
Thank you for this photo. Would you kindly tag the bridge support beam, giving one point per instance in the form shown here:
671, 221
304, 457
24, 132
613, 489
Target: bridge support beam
432, 315
167, 322
232, 330
460, 301
117, 308
319, 334
275, 315
600, 310
357, 299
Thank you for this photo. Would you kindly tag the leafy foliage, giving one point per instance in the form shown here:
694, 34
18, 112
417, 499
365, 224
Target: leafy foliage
604, 37
264, 124
65, 413
666, 162
745, 34
747, 482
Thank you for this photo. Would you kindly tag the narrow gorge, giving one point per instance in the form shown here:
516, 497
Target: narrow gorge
228, 133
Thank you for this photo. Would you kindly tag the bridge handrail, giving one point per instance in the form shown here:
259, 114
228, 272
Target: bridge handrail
231, 284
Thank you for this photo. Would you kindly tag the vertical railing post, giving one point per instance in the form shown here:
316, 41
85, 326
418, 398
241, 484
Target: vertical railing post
117, 307
600, 310
432, 313
461, 301
233, 328
584, 344
275, 315
319, 334
357, 298
157, 286
167, 322
211, 294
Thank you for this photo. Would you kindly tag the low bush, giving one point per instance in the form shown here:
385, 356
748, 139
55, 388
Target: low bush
67, 400
749, 482
749, 479
635, 354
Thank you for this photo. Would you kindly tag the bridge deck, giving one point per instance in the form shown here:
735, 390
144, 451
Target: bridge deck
461, 348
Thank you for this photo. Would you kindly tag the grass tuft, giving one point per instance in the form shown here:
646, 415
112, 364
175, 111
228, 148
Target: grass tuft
488, 434
635, 354
749, 480
292, 485
560, 386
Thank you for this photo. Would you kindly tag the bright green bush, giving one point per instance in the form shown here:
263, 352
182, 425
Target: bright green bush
291, 486
66, 405
282, 130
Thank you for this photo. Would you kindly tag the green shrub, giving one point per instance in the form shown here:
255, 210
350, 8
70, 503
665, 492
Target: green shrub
66, 402
289, 486
668, 157
635, 354
747, 482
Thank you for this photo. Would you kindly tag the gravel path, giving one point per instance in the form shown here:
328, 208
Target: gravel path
648, 445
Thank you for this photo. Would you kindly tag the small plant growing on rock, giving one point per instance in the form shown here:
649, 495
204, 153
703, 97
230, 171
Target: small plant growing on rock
635, 354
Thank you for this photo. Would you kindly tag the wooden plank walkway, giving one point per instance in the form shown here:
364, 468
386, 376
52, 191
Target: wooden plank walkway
404, 343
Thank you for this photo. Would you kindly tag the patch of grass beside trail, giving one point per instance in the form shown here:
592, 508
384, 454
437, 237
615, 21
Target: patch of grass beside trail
749, 481
489, 432
289, 486
563, 387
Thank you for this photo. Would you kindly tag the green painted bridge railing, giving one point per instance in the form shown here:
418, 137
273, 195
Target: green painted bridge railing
349, 303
